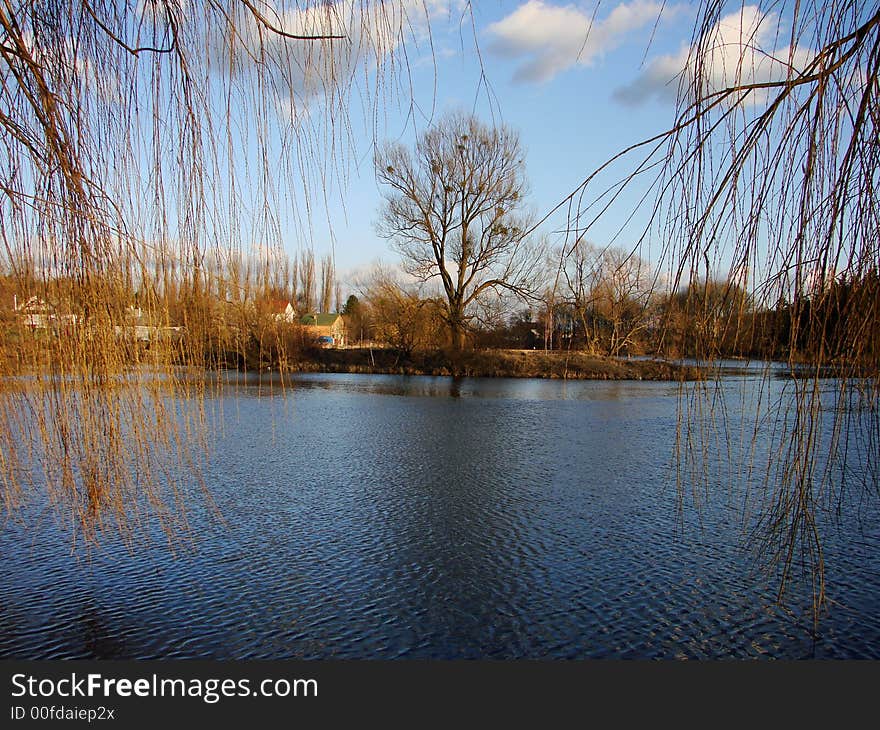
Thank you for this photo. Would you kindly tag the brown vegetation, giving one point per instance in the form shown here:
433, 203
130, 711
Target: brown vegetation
493, 364
123, 189
120, 177
453, 211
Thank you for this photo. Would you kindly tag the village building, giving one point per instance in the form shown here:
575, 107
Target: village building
327, 328
35, 313
282, 311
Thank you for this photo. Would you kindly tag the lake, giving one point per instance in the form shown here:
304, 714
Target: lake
411, 517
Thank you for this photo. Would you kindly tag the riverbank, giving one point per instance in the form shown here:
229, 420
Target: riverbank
493, 364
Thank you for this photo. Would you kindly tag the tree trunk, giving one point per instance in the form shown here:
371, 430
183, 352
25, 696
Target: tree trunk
455, 319
456, 330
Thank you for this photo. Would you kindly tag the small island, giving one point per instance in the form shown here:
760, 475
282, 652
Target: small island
495, 363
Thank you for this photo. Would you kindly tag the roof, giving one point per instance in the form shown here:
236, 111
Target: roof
279, 306
33, 304
319, 319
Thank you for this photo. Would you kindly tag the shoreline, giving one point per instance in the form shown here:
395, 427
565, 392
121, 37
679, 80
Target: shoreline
555, 365
489, 363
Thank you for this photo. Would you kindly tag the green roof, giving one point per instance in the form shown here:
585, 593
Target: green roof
319, 319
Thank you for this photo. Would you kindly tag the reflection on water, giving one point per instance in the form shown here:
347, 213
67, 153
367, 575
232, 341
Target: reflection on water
386, 516
517, 389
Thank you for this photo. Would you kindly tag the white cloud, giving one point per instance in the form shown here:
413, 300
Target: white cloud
550, 39
373, 34
660, 80
738, 50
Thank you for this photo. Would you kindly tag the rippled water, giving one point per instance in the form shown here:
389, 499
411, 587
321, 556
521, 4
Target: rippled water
384, 517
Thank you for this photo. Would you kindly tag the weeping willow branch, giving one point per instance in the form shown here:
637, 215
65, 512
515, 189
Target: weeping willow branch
768, 179
140, 136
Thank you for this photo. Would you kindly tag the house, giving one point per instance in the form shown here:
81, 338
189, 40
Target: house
328, 329
282, 311
35, 313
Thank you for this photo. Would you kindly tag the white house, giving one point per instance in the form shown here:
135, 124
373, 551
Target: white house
282, 311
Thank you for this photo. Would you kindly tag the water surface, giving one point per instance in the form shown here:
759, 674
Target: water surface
390, 516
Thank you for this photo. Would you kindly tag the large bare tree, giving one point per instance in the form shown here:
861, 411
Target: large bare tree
453, 209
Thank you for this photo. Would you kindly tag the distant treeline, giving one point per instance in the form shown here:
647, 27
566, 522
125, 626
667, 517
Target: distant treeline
233, 312
838, 322
161, 307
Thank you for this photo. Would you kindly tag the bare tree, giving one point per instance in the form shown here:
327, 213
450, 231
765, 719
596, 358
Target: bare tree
307, 300
328, 278
609, 290
580, 270
768, 176
621, 297
401, 316
453, 210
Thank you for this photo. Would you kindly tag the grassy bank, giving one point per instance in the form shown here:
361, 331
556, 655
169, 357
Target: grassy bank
493, 363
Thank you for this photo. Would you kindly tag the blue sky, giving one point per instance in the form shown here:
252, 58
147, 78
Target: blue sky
552, 77
579, 81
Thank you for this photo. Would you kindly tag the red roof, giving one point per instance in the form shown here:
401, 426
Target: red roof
279, 306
